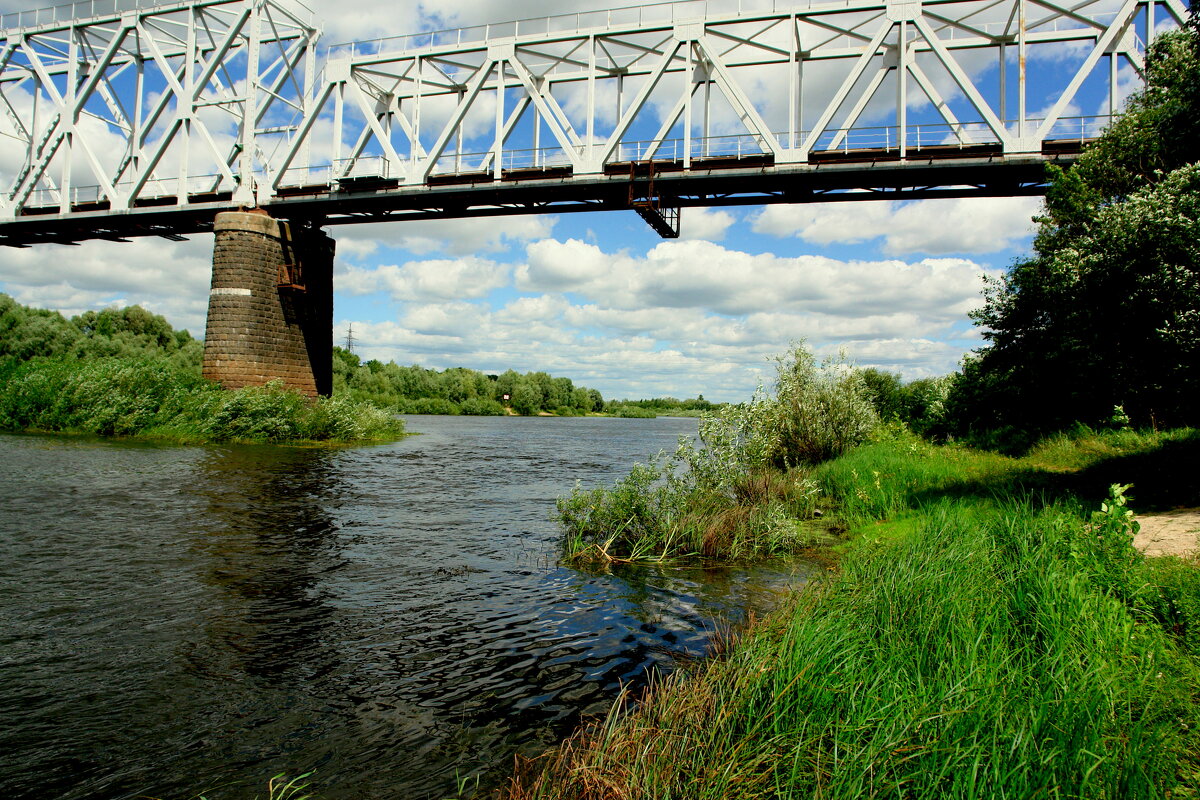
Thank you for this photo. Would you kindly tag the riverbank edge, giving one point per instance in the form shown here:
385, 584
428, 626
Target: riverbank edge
620, 755
185, 439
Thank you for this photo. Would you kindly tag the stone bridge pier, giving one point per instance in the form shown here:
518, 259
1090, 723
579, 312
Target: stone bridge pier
270, 311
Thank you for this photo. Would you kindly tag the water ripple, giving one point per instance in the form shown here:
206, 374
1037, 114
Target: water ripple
174, 620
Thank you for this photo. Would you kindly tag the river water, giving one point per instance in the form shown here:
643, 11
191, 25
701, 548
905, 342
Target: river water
186, 620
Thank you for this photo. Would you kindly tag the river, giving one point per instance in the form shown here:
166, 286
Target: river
186, 620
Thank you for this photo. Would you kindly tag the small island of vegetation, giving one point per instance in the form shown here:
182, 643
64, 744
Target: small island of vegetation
128, 373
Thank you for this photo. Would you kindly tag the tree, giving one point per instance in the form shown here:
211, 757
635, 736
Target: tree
1106, 311
527, 397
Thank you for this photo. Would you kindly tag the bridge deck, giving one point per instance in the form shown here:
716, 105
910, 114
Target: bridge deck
844, 175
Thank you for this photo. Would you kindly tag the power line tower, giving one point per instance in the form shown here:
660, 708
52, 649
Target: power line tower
350, 338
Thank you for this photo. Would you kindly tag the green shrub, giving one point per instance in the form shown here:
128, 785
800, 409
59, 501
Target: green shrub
690, 503
820, 411
270, 413
481, 407
634, 412
154, 396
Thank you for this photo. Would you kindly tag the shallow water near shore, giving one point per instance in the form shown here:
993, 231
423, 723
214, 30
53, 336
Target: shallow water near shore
178, 620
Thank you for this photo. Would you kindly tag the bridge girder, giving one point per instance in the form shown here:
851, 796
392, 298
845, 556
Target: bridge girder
172, 112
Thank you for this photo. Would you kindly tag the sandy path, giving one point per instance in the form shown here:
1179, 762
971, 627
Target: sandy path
1170, 533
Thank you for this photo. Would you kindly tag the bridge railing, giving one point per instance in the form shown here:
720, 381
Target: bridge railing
65, 13
924, 137
68, 12
1077, 128
642, 16
81, 197
576, 22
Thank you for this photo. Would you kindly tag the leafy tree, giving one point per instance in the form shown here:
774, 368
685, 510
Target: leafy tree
1106, 312
886, 390
527, 398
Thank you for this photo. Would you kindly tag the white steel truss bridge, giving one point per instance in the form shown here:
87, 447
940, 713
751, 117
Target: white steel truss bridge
125, 117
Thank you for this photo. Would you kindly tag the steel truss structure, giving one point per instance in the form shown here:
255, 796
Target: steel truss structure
137, 118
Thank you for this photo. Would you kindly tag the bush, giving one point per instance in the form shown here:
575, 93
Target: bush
695, 501
634, 412
481, 407
820, 411
267, 414
110, 397
155, 397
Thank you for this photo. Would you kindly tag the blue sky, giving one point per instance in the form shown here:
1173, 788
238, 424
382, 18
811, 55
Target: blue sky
599, 297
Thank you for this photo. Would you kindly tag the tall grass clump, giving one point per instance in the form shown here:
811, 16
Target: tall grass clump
742, 493
152, 397
992, 651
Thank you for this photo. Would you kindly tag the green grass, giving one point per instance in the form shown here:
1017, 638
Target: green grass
646, 516
151, 398
988, 635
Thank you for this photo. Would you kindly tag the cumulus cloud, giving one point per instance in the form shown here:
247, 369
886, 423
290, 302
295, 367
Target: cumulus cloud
439, 279
699, 274
960, 225
685, 317
704, 223
168, 278
451, 236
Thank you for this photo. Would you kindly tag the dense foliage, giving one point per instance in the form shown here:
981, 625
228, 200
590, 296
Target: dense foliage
126, 372
151, 397
919, 404
659, 407
417, 390
1102, 322
126, 332
740, 494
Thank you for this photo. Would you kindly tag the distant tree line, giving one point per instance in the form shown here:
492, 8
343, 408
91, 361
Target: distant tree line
458, 390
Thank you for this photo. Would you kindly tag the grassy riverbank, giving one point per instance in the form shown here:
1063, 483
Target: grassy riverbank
150, 397
990, 632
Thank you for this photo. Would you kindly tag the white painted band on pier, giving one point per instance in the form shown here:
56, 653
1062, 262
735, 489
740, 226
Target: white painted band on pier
230, 292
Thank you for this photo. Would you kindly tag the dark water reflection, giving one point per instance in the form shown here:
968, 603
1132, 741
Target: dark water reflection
175, 619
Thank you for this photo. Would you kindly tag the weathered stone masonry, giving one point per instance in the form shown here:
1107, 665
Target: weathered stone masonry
270, 311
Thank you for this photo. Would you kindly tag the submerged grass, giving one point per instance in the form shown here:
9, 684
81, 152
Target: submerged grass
151, 398
997, 637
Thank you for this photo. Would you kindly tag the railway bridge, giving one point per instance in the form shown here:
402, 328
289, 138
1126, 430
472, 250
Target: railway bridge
129, 118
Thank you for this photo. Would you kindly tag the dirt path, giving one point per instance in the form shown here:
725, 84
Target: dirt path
1169, 533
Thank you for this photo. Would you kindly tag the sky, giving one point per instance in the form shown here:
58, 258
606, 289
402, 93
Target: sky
599, 297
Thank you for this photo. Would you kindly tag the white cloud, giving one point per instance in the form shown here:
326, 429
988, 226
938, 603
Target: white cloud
168, 278
704, 223
701, 274
440, 279
960, 225
453, 236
